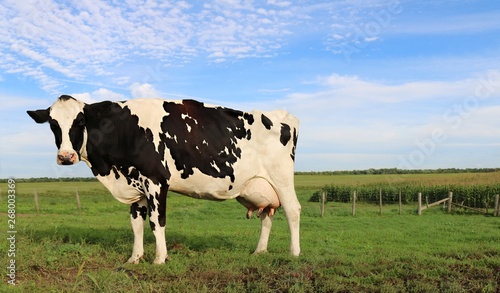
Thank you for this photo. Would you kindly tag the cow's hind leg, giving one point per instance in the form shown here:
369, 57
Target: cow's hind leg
267, 223
292, 208
138, 212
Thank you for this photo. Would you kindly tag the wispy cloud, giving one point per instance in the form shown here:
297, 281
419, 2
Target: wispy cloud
282, 90
101, 94
351, 90
358, 118
85, 38
12, 102
355, 24
47, 40
463, 24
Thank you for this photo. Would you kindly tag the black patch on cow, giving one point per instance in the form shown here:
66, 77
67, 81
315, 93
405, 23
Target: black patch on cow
116, 139
66, 97
266, 121
149, 135
151, 223
203, 138
117, 175
76, 133
133, 173
249, 118
285, 134
162, 206
136, 211
295, 139
161, 145
56, 129
152, 206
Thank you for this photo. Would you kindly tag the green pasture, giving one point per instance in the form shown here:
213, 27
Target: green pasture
62, 249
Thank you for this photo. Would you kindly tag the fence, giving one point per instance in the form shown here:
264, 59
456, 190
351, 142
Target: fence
400, 199
420, 207
37, 204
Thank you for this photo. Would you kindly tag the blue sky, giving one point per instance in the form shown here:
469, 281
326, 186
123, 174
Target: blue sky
376, 84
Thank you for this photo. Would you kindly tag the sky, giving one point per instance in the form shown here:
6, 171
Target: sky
375, 83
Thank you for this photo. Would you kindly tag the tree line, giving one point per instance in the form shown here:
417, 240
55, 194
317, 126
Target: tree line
342, 172
388, 171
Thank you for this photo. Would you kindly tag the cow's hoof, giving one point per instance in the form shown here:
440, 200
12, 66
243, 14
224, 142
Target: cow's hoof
260, 251
159, 260
135, 259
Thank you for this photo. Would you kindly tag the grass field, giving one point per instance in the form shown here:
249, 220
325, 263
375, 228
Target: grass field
61, 249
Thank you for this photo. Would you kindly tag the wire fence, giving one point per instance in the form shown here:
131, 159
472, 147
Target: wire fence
480, 198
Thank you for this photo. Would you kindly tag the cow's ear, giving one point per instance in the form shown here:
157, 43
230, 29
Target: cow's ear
40, 116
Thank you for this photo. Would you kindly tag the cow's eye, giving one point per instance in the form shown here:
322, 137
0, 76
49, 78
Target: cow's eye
79, 121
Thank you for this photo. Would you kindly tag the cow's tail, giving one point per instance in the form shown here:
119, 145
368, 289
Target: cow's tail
293, 122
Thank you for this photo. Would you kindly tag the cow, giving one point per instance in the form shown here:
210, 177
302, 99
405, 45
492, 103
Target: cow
141, 148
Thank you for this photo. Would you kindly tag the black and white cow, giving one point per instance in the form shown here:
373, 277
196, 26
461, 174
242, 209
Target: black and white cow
139, 149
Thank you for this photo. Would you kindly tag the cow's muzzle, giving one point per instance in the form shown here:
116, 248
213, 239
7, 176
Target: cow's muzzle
67, 158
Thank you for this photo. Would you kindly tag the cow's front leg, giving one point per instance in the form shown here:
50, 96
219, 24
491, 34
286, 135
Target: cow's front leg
138, 213
157, 219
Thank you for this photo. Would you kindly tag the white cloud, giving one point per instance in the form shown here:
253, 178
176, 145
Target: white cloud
479, 123
144, 90
99, 95
350, 90
15, 102
349, 117
371, 39
355, 24
468, 23
84, 38
137, 90
279, 3
282, 90
240, 30
121, 80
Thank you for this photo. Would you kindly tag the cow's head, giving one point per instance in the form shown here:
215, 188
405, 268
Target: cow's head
67, 122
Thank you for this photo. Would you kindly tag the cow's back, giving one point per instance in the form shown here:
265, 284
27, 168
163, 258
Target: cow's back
212, 151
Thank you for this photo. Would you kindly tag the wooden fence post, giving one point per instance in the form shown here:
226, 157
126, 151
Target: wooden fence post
496, 213
400, 204
354, 203
78, 200
380, 199
323, 199
419, 211
35, 196
450, 200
